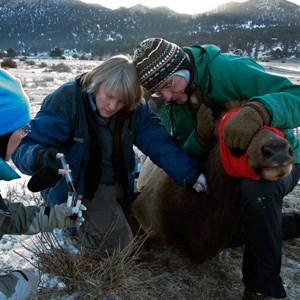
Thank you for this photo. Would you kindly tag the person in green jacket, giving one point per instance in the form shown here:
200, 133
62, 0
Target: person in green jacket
194, 81
16, 218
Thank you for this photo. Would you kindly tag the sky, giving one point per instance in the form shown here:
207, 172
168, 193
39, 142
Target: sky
182, 6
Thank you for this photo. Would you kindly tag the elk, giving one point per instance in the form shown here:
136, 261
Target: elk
203, 223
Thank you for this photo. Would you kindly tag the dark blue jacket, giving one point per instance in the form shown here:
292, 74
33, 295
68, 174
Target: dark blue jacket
61, 123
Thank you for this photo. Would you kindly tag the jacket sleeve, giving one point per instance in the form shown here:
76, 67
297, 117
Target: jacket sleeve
242, 78
233, 77
16, 218
193, 147
43, 135
154, 141
184, 122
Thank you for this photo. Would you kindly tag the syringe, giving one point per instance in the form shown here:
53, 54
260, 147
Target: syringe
67, 172
73, 199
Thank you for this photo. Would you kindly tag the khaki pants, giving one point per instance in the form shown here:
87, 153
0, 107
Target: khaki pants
105, 225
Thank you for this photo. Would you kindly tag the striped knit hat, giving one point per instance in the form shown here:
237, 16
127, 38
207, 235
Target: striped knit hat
156, 60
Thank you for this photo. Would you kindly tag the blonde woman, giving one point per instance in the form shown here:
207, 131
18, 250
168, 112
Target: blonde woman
95, 120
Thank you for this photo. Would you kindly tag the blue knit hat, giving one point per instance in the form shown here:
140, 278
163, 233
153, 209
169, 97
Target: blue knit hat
14, 104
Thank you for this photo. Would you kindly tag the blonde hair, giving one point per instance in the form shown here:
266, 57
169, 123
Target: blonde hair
117, 73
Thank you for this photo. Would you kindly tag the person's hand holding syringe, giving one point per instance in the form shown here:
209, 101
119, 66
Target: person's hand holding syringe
73, 199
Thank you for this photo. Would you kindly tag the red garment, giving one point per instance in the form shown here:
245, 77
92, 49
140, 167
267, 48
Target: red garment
237, 166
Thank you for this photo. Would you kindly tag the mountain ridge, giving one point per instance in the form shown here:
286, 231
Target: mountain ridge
41, 25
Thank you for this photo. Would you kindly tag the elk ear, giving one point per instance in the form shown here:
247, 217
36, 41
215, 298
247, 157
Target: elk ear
237, 152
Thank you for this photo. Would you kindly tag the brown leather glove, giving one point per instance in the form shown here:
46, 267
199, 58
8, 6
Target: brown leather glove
240, 128
205, 125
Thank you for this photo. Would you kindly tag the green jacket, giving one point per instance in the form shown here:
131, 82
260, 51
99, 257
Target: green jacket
224, 77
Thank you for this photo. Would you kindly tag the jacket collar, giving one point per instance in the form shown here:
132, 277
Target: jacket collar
6, 172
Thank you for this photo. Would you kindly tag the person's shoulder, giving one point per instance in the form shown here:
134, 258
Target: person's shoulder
142, 105
67, 89
232, 61
143, 110
64, 99
205, 48
69, 85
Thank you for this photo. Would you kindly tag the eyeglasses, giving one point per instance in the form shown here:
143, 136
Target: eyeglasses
26, 129
166, 88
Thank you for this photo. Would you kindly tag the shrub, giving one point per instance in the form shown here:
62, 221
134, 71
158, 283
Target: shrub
8, 63
29, 62
61, 68
43, 65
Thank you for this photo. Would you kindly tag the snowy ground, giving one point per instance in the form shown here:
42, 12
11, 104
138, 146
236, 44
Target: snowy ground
38, 82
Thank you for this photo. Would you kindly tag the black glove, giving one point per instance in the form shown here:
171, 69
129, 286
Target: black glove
47, 174
47, 158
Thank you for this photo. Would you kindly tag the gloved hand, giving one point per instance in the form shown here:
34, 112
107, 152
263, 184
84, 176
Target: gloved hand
59, 217
47, 173
200, 185
240, 128
205, 125
47, 158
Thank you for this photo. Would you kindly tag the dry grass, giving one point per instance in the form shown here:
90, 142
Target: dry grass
166, 274
86, 273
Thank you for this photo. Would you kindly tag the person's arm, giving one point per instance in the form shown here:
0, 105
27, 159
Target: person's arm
49, 129
242, 78
182, 127
16, 218
194, 147
201, 138
154, 141
273, 100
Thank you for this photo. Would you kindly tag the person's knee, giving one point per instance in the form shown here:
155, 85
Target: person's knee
118, 239
15, 285
258, 191
109, 236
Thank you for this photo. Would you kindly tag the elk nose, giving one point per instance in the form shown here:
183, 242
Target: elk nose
278, 153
